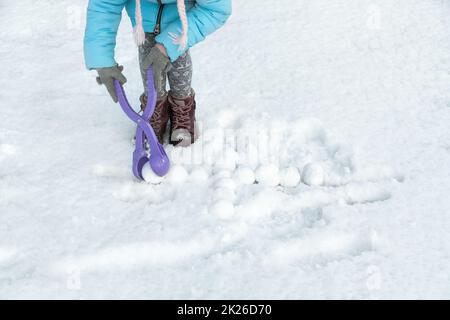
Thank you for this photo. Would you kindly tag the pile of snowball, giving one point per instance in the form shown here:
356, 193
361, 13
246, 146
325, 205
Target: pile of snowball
225, 182
268, 175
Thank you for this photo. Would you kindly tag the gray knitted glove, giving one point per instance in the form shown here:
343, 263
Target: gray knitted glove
160, 64
107, 75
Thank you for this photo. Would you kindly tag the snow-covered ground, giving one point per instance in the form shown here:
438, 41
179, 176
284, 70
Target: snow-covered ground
354, 95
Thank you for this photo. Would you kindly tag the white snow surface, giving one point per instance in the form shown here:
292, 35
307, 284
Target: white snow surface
357, 90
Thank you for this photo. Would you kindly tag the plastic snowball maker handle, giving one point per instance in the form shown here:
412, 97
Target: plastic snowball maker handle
158, 159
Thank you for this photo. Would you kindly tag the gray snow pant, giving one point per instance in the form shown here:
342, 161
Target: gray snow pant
179, 74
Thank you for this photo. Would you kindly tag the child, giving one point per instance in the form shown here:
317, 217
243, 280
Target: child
164, 31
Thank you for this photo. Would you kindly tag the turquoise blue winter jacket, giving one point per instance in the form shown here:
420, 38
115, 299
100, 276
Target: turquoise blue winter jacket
103, 19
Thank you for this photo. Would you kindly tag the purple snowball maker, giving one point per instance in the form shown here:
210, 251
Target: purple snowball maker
157, 158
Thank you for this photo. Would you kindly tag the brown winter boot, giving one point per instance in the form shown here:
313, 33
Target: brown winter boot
159, 118
183, 127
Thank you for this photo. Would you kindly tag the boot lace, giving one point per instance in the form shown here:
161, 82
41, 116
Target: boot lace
156, 119
182, 118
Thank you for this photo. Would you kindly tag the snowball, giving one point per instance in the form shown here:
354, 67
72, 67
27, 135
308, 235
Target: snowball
199, 175
222, 209
268, 175
226, 161
290, 177
177, 174
226, 183
245, 175
222, 174
224, 194
209, 153
313, 174
179, 156
149, 176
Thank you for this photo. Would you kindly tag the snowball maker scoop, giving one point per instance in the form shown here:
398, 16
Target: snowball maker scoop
158, 159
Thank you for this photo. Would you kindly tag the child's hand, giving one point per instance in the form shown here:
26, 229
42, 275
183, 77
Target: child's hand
158, 60
107, 76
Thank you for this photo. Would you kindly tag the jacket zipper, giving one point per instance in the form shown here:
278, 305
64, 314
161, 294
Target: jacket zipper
157, 29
